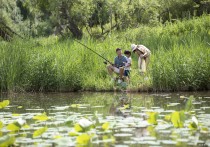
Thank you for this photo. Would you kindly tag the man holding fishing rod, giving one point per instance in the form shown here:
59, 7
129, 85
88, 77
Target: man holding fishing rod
118, 66
120, 63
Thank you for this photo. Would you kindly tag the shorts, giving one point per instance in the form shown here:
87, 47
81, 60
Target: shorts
126, 73
116, 70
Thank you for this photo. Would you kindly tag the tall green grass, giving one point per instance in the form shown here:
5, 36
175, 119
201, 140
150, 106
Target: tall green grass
180, 60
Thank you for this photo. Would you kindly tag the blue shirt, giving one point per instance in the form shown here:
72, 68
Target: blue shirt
120, 61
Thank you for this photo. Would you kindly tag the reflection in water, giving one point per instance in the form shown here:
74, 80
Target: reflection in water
141, 132
126, 113
121, 102
121, 106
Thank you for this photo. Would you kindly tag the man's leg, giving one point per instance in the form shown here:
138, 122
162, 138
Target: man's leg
121, 72
110, 70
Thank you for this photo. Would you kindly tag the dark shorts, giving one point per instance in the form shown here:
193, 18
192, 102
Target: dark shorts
126, 73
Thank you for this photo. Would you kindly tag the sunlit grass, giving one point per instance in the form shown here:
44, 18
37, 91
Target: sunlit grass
180, 60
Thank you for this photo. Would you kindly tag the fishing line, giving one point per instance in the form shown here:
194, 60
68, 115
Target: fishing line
106, 60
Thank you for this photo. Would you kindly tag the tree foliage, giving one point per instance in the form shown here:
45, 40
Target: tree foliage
45, 17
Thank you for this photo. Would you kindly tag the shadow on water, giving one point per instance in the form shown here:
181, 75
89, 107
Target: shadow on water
127, 114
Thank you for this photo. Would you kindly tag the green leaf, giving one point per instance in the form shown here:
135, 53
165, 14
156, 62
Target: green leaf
57, 137
109, 138
152, 117
19, 107
41, 117
175, 119
73, 133
151, 130
204, 129
26, 126
39, 132
167, 117
189, 105
4, 103
182, 116
105, 126
75, 105
15, 126
192, 126
1, 125
96, 118
83, 139
78, 128
15, 114
178, 118
7, 140
70, 120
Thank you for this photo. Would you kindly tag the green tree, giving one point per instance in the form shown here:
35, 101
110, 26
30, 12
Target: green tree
100, 15
10, 19
69, 17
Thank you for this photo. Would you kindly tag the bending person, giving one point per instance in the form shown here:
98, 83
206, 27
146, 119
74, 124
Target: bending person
118, 66
144, 56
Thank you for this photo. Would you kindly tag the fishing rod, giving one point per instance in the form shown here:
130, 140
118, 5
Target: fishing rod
106, 60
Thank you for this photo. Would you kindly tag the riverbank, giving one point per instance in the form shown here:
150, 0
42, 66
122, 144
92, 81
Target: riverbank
180, 60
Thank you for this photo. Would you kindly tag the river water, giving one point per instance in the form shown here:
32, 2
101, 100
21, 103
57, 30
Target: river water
108, 119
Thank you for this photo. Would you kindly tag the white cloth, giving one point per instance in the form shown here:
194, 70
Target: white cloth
128, 64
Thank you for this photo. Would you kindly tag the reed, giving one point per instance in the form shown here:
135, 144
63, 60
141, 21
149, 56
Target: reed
180, 60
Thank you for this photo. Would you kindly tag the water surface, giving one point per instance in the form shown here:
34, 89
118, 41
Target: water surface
116, 119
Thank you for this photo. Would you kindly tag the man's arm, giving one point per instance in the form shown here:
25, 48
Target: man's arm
128, 63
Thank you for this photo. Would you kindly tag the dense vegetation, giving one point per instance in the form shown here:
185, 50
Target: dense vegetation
34, 18
180, 60
38, 51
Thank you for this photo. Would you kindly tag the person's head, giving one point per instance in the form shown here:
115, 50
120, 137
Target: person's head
119, 51
127, 53
133, 47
